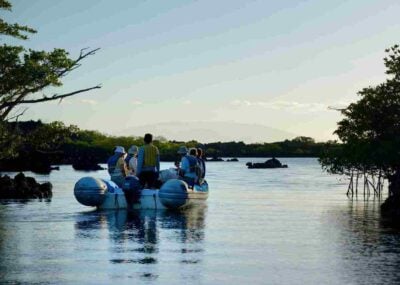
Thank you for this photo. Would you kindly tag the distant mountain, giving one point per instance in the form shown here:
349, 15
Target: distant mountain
211, 132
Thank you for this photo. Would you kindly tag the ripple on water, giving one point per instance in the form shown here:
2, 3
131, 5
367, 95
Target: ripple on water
274, 226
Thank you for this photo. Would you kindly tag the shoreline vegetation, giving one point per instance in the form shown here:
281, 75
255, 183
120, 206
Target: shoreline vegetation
369, 131
39, 146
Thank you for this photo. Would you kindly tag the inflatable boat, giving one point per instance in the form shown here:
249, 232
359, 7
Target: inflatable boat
105, 194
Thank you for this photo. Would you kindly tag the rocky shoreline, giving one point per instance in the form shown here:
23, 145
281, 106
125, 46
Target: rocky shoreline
23, 187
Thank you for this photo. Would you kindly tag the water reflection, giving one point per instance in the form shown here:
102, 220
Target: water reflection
368, 247
144, 239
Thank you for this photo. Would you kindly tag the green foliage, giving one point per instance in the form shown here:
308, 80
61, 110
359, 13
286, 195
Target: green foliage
25, 74
9, 141
65, 144
31, 70
50, 137
370, 129
13, 30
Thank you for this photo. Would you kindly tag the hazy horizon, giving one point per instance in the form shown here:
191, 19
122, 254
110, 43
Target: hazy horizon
206, 132
274, 64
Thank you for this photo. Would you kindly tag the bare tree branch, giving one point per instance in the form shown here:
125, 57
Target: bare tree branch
336, 109
76, 64
7, 107
60, 74
10, 105
16, 117
58, 97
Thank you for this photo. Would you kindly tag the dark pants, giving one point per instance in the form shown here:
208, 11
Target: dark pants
149, 178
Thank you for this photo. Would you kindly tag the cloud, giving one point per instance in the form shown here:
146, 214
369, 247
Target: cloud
282, 105
88, 101
136, 102
339, 105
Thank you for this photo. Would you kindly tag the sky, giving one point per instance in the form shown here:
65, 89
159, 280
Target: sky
278, 64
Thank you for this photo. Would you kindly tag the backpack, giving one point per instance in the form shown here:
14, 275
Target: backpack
194, 165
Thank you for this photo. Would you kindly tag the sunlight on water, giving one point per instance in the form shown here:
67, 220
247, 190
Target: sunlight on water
260, 226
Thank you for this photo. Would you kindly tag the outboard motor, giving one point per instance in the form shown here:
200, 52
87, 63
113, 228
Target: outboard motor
90, 191
173, 194
132, 189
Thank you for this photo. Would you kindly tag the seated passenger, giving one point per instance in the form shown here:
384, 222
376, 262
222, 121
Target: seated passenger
182, 152
202, 164
190, 170
117, 167
131, 160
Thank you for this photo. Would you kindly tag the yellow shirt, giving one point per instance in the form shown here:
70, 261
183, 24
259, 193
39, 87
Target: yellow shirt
150, 155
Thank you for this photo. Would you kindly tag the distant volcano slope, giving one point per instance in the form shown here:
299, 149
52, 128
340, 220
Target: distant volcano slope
211, 132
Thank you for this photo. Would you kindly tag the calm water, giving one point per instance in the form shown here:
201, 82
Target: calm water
271, 226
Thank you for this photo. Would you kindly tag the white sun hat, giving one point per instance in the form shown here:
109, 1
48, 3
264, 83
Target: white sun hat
133, 149
183, 150
119, 149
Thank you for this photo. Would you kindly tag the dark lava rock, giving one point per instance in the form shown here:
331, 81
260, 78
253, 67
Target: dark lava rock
87, 163
271, 163
86, 166
40, 165
215, 159
22, 187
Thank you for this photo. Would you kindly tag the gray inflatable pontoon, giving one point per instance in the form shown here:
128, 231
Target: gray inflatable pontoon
105, 194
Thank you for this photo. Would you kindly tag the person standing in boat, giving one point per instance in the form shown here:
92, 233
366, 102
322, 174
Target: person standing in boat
131, 160
117, 166
190, 169
148, 162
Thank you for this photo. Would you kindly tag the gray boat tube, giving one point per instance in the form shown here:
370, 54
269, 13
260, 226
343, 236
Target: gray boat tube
90, 191
176, 194
173, 194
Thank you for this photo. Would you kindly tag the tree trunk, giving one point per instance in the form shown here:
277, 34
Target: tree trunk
391, 207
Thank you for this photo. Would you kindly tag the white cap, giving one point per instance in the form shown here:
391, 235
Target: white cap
133, 149
119, 149
183, 150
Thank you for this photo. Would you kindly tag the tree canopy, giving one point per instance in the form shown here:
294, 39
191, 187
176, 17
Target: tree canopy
61, 144
15, 30
25, 74
370, 129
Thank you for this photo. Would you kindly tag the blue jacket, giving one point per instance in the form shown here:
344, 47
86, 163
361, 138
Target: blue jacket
188, 166
203, 166
112, 162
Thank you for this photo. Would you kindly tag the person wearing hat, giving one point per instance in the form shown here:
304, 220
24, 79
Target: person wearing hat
201, 161
190, 169
131, 160
117, 166
148, 162
182, 152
